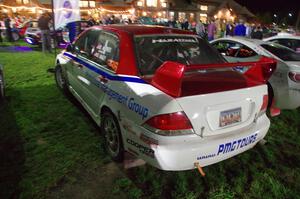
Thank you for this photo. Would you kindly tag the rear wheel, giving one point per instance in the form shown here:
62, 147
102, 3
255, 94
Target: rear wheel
61, 80
113, 139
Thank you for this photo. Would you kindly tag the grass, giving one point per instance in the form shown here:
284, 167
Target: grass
46, 141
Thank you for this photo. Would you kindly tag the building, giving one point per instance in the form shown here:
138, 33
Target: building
222, 10
191, 10
29, 8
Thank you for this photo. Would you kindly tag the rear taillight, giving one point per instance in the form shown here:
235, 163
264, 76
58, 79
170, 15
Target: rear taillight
170, 124
294, 76
264, 105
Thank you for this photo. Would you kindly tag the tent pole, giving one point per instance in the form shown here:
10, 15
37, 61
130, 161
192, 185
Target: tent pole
53, 15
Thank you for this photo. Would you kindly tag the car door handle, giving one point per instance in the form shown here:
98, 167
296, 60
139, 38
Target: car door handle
78, 65
103, 79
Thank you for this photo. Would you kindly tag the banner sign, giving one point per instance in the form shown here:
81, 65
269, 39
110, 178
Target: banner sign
65, 11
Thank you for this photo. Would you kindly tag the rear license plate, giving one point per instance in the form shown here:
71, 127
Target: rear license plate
230, 117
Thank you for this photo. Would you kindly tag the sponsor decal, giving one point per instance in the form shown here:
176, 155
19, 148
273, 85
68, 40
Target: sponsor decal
231, 146
148, 140
139, 109
129, 102
174, 40
142, 149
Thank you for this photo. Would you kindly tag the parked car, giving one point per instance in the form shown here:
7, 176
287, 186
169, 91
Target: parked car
165, 95
288, 40
28, 24
15, 32
2, 83
285, 83
33, 34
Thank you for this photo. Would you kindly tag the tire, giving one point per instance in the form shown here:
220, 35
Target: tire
3, 34
15, 36
2, 90
61, 80
112, 134
271, 94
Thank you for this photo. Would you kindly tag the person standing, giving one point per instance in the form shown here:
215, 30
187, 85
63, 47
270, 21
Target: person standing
8, 28
200, 29
240, 30
43, 24
257, 33
229, 29
211, 30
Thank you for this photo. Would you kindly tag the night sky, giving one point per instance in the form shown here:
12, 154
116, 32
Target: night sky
273, 6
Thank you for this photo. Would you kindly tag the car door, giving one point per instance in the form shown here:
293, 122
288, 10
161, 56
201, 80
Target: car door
104, 59
82, 64
78, 64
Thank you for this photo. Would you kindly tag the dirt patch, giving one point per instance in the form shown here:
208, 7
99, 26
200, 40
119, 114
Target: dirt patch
91, 183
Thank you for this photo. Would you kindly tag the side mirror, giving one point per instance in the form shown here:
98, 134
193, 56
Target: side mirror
70, 48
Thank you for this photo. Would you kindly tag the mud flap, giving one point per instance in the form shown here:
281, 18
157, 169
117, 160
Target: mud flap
131, 161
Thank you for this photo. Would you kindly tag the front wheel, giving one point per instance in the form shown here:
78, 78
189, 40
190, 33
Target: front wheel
113, 139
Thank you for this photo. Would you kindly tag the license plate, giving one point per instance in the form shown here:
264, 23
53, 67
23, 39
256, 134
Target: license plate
229, 117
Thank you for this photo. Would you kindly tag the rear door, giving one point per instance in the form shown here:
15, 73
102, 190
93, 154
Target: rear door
103, 60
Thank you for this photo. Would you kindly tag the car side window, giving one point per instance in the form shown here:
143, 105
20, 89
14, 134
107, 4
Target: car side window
106, 51
245, 51
286, 42
84, 45
227, 48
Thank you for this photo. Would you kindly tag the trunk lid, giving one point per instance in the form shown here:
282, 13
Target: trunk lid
222, 112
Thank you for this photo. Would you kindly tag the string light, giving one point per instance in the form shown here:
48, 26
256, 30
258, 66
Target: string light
24, 7
38, 9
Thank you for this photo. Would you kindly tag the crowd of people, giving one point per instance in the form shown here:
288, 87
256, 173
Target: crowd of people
211, 30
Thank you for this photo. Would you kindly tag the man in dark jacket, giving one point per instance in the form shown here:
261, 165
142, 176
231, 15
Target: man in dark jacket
8, 28
43, 24
257, 33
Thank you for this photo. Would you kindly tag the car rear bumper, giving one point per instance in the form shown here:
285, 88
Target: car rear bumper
287, 99
182, 152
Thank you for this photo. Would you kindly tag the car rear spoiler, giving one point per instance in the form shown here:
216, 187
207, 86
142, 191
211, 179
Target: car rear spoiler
169, 76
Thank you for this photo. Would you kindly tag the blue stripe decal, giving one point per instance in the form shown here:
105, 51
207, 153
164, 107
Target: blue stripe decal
105, 74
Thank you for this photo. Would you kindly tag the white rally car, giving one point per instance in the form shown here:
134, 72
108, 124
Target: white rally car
165, 95
285, 82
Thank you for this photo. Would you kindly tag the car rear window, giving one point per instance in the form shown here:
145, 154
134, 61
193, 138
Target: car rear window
282, 52
152, 51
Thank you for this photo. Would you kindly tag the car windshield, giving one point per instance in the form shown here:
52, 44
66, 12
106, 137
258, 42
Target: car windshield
282, 52
152, 51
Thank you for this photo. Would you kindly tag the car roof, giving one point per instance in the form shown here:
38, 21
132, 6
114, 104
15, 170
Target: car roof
137, 29
283, 36
244, 40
